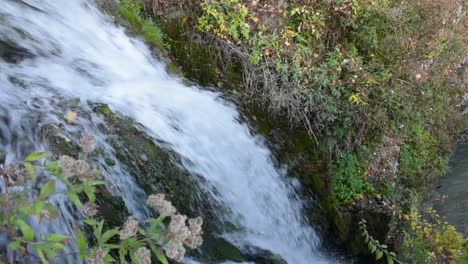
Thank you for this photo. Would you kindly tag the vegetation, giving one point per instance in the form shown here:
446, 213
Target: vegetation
371, 82
430, 239
374, 84
145, 27
23, 204
375, 247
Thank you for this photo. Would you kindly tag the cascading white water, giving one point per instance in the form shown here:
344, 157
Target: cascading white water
78, 53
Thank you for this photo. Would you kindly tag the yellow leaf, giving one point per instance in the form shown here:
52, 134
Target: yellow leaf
70, 116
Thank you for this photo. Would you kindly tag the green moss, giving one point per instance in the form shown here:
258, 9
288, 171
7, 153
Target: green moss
110, 162
218, 248
104, 110
145, 27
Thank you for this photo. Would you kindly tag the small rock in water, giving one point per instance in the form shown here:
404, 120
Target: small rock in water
110, 162
144, 157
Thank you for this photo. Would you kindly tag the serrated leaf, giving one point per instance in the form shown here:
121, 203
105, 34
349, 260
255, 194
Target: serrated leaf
378, 254
27, 231
15, 245
31, 171
37, 156
47, 189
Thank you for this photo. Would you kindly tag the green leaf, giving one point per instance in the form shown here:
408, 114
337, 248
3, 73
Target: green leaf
89, 191
108, 259
122, 254
41, 256
389, 259
27, 231
372, 247
96, 182
378, 254
47, 189
31, 170
37, 156
81, 242
98, 231
142, 231
108, 235
56, 246
63, 179
75, 199
52, 210
90, 222
54, 165
57, 237
15, 245
161, 257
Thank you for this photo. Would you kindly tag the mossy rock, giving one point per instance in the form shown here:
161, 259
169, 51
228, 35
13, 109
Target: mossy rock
158, 169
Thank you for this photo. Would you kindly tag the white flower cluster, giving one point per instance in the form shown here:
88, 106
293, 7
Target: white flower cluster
143, 256
79, 168
159, 202
129, 229
87, 144
90, 209
178, 232
97, 257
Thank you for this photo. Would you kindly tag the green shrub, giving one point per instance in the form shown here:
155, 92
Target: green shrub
430, 239
349, 182
21, 201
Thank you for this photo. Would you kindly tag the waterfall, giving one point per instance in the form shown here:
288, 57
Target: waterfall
74, 51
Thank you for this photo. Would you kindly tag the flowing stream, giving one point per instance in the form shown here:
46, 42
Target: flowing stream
79, 53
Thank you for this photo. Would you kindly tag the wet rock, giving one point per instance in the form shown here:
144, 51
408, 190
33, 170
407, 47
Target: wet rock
111, 208
215, 249
12, 53
157, 169
59, 143
2, 157
109, 162
260, 256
